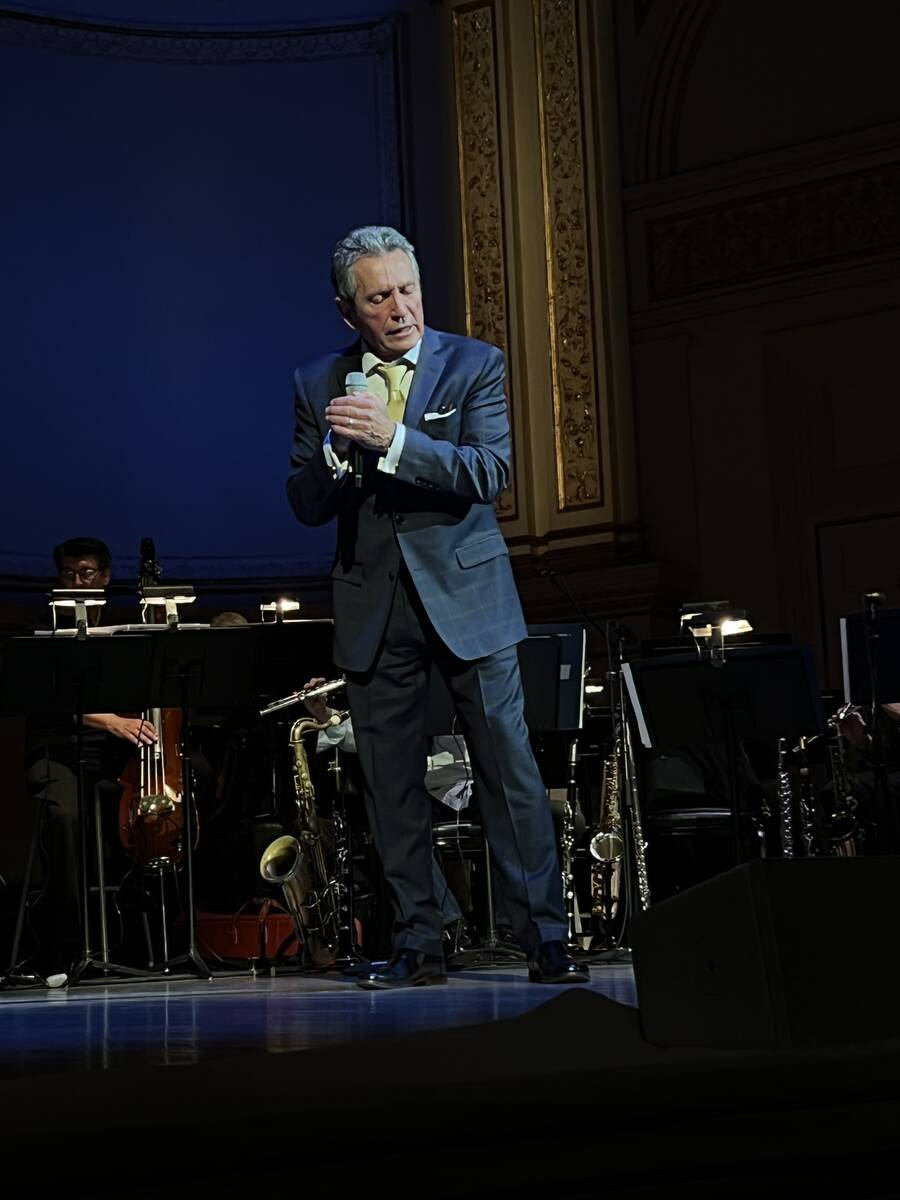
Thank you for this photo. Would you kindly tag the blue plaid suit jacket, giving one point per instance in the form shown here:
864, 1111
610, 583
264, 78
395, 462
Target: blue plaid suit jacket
436, 512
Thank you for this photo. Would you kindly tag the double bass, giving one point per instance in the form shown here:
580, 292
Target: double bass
151, 812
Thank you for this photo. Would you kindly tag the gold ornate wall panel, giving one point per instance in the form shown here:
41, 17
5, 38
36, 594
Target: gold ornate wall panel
481, 186
541, 220
570, 305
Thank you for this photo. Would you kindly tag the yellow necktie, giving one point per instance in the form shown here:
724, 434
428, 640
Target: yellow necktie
393, 375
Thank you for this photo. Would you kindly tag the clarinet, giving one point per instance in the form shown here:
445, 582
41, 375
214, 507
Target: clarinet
568, 847
627, 774
804, 803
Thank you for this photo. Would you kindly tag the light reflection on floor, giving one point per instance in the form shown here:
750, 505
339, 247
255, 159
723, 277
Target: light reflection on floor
97, 1026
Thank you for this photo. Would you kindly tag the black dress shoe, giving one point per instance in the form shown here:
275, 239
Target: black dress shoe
406, 968
551, 963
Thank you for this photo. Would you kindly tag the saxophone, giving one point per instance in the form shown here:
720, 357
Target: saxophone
617, 855
298, 864
606, 847
842, 826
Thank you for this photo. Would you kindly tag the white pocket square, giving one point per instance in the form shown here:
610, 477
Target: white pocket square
439, 416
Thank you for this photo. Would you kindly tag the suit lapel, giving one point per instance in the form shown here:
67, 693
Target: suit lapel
428, 372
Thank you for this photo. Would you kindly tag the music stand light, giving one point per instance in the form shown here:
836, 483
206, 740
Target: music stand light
168, 598
280, 610
711, 622
78, 599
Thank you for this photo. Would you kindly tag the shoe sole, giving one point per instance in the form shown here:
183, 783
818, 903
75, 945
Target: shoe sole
537, 977
377, 985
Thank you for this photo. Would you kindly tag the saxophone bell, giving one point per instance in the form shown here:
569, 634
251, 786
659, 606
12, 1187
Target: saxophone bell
283, 864
607, 846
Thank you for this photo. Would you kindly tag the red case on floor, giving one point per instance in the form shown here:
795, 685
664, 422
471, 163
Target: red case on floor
250, 935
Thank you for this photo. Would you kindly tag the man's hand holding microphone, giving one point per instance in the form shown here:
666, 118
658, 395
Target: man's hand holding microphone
360, 418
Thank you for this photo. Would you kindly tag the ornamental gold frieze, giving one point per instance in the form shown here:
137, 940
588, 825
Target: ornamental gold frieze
830, 222
572, 352
481, 189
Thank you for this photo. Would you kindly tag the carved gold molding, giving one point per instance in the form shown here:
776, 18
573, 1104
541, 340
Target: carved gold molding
574, 374
481, 192
834, 220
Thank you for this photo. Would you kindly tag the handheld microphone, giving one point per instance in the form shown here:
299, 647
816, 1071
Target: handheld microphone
355, 383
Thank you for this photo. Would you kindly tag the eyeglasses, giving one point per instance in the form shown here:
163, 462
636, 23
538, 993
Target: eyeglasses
85, 574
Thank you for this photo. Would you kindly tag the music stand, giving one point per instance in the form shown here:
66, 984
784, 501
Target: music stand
759, 692
66, 676
288, 653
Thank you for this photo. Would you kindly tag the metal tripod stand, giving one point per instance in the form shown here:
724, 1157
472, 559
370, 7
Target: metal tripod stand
492, 952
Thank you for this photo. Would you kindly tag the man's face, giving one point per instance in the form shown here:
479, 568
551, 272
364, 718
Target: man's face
82, 572
387, 308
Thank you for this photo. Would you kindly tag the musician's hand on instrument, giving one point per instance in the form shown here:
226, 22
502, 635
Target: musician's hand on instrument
362, 419
316, 705
892, 711
853, 728
130, 729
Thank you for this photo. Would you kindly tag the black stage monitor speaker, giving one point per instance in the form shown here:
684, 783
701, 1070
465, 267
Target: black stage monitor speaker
774, 954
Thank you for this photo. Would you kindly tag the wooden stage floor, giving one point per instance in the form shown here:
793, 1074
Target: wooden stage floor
95, 1025
488, 1087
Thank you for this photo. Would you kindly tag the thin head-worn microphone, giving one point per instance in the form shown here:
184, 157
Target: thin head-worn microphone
355, 383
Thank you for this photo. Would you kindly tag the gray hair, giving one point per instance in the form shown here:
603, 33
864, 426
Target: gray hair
372, 240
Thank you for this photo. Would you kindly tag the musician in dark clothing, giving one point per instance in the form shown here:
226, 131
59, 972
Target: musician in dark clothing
872, 829
52, 779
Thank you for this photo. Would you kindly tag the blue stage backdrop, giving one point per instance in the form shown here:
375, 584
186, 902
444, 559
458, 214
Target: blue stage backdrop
168, 209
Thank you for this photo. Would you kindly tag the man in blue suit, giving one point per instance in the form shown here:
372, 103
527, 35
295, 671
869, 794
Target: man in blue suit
411, 464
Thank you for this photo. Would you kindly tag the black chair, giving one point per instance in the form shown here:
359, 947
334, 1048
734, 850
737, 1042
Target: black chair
687, 826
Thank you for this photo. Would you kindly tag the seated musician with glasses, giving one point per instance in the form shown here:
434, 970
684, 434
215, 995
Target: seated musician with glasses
51, 774
86, 562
